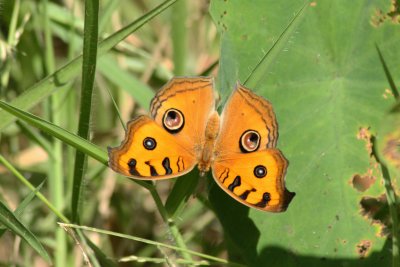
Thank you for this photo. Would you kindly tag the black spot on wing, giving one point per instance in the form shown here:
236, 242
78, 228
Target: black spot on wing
132, 167
132, 163
246, 194
153, 170
264, 201
235, 183
167, 166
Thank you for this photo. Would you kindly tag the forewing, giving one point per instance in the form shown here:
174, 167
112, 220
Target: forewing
194, 98
244, 111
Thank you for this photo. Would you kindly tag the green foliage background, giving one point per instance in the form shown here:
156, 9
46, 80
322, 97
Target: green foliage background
318, 62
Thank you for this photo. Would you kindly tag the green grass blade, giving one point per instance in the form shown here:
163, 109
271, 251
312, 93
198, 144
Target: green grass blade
58, 132
109, 68
24, 203
181, 262
149, 242
116, 109
55, 170
36, 138
88, 72
63, 76
100, 256
40, 196
179, 37
269, 57
107, 12
392, 202
389, 76
210, 68
5, 74
82, 241
8, 218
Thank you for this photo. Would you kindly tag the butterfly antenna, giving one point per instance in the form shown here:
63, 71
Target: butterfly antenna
116, 109
283, 35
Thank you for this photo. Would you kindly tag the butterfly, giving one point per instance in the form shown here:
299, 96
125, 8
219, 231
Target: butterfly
184, 130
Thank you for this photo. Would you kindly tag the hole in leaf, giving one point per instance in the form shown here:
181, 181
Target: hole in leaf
377, 210
362, 182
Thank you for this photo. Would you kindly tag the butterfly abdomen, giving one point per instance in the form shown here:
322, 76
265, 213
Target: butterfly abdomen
211, 133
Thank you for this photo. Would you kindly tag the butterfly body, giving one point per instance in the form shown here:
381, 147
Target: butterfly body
185, 130
211, 133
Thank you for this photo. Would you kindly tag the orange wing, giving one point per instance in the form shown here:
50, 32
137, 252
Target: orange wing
255, 179
245, 110
170, 143
194, 99
150, 152
247, 165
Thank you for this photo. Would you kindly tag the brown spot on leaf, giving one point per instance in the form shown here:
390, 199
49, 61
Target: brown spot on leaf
365, 134
363, 248
362, 182
388, 94
313, 4
392, 15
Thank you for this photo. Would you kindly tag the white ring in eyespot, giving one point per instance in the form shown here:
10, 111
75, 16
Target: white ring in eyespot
249, 141
173, 120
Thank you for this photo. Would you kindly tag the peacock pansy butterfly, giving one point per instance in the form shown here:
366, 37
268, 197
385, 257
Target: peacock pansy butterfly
184, 130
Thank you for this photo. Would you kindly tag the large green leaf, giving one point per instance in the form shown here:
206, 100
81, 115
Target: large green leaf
326, 82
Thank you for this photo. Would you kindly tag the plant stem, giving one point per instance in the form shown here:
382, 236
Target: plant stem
179, 37
171, 223
392, 202
10, 43
88, 72
56, 178
147, 241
